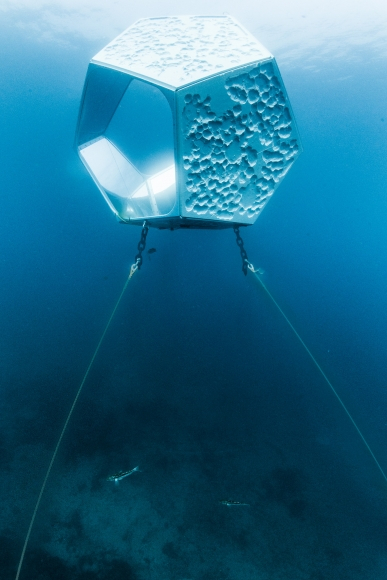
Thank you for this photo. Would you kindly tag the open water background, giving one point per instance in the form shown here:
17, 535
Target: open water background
199, 380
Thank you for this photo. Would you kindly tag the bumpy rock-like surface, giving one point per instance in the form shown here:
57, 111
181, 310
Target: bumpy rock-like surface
233, 161
181, 49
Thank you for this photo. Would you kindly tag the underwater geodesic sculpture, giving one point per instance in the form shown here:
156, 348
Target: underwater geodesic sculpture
185, 122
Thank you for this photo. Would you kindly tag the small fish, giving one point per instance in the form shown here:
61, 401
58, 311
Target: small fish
151, 251
230, 502
121, 474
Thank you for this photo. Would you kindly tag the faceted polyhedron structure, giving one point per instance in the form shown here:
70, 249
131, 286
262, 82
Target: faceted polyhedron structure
185, 122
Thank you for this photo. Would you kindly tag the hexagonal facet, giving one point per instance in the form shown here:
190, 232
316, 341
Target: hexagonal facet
185, 121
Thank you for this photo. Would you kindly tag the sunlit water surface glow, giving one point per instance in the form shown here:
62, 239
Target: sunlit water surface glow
199, 382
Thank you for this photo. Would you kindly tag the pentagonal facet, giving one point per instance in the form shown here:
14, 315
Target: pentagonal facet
185, 122
238, 143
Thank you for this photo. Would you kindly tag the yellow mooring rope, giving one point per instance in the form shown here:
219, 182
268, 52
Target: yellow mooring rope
133, 269
256, 276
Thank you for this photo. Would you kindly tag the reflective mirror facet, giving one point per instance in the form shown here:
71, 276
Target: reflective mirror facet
133, 158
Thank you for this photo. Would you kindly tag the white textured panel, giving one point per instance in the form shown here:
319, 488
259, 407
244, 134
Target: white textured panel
182, 49
239, 141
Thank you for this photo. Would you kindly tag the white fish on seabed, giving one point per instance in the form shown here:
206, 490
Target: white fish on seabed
230, 502
121, 474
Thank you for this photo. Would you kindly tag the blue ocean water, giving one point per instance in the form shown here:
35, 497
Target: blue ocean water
199, 381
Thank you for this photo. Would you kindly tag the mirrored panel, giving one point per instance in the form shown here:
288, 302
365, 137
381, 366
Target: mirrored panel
132, 160
127, 191
142, 128
103, 92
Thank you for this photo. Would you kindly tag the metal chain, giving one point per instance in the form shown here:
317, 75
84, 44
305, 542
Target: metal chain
245, 261
141, 244
141, 247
